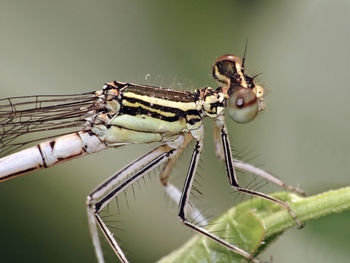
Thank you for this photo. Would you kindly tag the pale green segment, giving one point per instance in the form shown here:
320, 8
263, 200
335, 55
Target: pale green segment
116, 135
149, 124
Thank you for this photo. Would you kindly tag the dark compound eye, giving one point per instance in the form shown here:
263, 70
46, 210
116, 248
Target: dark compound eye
228, 69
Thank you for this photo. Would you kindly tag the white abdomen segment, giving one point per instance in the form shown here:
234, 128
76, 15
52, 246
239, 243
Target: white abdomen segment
49, 153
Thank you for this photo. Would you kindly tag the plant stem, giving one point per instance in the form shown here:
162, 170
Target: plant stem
255, 223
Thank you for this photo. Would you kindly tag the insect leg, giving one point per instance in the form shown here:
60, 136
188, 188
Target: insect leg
233, 179
219, 150
164, 175
266, 175
109, 189
184, 201
171, 190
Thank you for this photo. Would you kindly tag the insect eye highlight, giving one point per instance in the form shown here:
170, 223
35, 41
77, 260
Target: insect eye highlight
240, 102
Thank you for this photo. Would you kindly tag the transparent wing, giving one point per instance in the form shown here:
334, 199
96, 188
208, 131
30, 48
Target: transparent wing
29, 119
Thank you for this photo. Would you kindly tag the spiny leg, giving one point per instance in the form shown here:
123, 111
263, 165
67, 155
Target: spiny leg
109, 189
184, 201
233, 180
171, 190
266, 175
220, 153
175, 195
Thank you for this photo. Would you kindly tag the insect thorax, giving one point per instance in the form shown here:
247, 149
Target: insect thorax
129, 113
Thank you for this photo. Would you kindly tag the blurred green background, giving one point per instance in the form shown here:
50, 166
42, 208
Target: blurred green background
301, 47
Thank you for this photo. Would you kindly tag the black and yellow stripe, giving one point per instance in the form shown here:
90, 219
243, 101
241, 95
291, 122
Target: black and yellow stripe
158, 103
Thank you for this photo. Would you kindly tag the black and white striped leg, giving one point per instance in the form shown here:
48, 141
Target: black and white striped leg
113, 186
234, 183
238, 164
184, 201
171, 190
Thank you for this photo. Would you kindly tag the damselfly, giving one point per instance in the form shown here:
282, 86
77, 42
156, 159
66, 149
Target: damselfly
124, 113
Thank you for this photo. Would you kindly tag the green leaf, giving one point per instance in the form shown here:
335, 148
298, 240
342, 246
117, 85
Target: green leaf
254, 224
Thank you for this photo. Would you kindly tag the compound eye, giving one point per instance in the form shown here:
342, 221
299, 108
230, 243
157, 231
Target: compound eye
242, 105
228, 69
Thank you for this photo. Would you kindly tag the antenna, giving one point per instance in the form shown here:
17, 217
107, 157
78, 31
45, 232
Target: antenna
245, 53
257, 75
